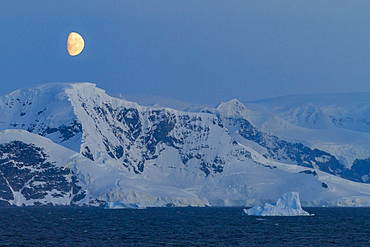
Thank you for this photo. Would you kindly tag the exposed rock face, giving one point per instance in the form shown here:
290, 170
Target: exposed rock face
27, 177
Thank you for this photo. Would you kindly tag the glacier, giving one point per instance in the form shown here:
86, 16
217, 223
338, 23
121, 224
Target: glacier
106, 149
287, 205
123, 205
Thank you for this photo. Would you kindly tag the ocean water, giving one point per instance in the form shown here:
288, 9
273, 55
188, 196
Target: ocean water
181, 227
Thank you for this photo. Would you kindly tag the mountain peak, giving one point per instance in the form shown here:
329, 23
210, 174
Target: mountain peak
233, 108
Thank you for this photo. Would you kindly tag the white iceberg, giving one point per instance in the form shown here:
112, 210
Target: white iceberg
287, 205
123, 205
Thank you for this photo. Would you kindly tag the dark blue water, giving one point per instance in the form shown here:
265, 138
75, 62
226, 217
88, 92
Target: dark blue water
181, 227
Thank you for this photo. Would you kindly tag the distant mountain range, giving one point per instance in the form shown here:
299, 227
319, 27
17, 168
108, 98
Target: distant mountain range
72, 144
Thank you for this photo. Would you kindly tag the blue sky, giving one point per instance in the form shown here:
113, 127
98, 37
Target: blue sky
194, 51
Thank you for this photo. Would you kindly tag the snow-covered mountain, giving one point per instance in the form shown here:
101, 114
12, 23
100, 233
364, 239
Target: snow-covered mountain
123, 151
35, 171
349, 111
281, 141
336, 123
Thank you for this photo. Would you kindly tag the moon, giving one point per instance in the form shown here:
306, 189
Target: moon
75, 44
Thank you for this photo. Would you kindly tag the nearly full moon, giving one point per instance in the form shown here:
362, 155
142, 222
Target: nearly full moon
75, 44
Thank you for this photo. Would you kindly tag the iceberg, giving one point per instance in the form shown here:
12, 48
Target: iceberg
287, 205
123, 205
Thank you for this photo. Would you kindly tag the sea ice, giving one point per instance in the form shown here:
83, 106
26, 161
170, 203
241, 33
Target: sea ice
287, 205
